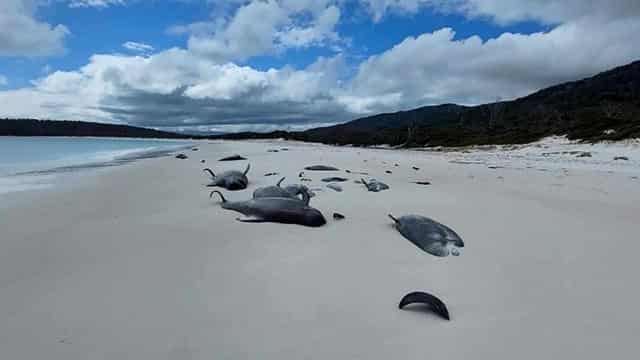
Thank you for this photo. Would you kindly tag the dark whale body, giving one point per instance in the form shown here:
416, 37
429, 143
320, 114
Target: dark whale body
291, 191
375, 185
429, 235
321, 168
302, 190
233, 158
278, 210
230, 180
356, 172
435, 304
335, 179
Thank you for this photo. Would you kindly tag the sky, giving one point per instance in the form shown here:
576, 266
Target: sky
261, 65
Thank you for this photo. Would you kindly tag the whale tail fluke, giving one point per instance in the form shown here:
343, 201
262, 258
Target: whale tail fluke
435, 304
219, 193
213, 175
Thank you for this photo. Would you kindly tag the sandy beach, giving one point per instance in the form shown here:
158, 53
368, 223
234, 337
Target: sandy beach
139, 263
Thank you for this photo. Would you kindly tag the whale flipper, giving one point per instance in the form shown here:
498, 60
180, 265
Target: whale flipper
434, 303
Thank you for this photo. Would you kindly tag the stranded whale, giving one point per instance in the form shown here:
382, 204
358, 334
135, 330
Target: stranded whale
290, 191
375, 185
230, 180
429, 235
321, 168
278, 210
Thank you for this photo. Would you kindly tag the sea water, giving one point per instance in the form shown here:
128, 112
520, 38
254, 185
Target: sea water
32, 162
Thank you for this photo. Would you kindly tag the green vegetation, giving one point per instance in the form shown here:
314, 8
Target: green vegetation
604, 107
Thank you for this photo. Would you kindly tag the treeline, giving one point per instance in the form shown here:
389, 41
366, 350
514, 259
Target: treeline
33, 127
604, 107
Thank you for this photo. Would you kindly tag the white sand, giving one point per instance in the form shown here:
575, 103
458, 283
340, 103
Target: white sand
139, 263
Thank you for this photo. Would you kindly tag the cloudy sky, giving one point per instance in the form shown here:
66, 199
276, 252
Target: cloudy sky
231, 65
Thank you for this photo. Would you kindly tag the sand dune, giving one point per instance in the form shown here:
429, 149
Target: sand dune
138, 263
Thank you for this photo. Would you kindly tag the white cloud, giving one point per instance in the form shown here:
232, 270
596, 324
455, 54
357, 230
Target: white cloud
264, 28
378, 8
178, 88
205, 86
507, 11
249, 33
434, 68
95, 3
198, 28
138, 47
3, 80
21, 34
552, 11
320, 30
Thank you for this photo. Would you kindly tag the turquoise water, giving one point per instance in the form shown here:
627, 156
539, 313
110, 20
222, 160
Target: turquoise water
31, 162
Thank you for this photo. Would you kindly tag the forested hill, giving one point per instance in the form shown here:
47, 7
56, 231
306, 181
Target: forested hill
603, 107
31, 127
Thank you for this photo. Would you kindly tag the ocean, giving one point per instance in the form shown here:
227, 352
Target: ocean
28, 163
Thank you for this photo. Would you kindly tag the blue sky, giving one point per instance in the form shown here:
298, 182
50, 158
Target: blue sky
266, 64
103, 30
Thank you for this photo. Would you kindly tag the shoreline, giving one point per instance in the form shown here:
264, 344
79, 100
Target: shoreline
45, 174
125, 158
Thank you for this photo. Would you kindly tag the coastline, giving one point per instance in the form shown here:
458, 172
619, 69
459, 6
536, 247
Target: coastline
139, 263
34, 176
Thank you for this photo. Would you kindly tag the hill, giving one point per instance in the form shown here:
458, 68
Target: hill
603, 107
31, 127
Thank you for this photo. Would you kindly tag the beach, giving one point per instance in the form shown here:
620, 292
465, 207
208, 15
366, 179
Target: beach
139, 262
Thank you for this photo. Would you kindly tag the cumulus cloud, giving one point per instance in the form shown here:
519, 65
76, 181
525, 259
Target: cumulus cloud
138, 47
205, 85
22, 34
250, 32
178, 88
263, 28
321, 29
435, 68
